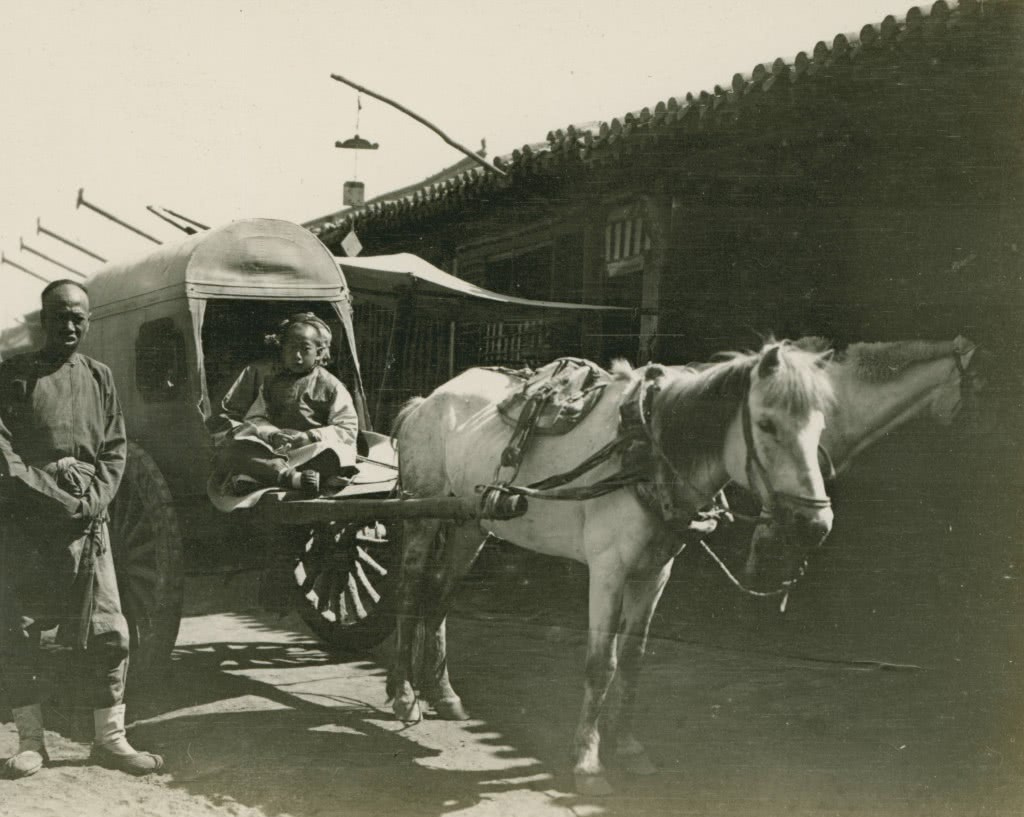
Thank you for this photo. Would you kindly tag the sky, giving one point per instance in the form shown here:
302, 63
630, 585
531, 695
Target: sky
224, 110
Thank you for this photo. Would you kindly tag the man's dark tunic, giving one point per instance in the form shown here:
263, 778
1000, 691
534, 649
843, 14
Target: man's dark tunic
62, 455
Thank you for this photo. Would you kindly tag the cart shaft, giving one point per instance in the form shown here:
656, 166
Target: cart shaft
455, 508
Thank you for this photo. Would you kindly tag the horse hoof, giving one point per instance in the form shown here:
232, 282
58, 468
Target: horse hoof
450, 709
592, 785
408, 712
637, 763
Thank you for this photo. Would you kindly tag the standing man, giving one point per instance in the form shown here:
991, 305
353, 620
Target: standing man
62, 454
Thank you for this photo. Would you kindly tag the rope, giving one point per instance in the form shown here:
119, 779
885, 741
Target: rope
783, 590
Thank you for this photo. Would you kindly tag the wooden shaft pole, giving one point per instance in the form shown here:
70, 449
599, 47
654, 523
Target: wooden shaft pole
474, 156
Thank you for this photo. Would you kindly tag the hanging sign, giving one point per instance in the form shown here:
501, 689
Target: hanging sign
351, 244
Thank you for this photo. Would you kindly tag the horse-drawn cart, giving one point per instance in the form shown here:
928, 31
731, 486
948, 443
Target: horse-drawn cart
176, 327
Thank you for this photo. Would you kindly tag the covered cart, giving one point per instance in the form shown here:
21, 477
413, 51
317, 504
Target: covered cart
176, 327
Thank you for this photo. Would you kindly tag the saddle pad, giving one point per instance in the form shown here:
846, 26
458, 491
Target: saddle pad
561, 394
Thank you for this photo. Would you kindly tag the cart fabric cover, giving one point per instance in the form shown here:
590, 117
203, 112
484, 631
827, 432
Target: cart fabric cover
250, 259
385, 278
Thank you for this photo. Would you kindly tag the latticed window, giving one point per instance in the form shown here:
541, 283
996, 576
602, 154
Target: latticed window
625, 241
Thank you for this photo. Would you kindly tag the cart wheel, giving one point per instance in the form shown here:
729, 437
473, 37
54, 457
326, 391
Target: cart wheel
146, 543
345, 575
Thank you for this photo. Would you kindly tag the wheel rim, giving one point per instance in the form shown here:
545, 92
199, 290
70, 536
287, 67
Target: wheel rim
343, 570
146, 545
131, 528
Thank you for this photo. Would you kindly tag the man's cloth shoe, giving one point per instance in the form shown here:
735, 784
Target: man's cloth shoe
31, 756
111, 749
137, 763
25, 764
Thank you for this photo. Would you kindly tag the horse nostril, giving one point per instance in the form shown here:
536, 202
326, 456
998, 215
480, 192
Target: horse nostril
813, 530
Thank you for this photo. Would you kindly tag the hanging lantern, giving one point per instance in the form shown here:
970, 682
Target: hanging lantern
355, 191
354, 194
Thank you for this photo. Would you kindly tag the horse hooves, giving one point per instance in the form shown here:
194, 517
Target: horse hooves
408, 712
593, 785
637, 763
450, 709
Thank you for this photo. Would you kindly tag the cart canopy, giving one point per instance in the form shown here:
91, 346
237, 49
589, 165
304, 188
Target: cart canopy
250, 259
386, 278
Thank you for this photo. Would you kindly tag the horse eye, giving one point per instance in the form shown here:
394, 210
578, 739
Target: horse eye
767, 426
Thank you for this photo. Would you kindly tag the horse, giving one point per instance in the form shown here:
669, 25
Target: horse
878, 387
754, 418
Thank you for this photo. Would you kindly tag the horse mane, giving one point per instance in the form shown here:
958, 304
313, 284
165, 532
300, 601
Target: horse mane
882, 362
697, 405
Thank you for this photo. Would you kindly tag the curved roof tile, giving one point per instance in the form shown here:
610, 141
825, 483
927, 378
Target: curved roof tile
585, 143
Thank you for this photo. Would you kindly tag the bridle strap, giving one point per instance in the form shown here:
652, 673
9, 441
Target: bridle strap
823, 455
756, 467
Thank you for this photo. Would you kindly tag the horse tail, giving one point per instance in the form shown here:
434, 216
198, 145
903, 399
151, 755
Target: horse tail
404, 413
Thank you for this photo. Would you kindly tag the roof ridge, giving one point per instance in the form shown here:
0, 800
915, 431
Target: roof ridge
701, 110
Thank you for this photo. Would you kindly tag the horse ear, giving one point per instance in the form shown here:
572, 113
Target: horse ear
825, 358
769, 362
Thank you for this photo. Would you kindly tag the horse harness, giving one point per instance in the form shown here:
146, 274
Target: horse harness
679, 504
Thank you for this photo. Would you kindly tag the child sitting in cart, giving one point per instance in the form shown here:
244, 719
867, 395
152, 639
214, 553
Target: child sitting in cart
300, 431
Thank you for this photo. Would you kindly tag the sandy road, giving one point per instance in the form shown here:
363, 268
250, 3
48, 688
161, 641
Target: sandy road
256, 720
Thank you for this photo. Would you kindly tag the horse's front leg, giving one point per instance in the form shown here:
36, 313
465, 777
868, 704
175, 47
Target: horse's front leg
640, 599
606, 588
417, 544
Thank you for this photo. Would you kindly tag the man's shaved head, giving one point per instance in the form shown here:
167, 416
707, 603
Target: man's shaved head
65, 316
59, 286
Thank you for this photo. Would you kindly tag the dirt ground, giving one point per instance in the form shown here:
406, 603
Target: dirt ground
256, 720
891, 687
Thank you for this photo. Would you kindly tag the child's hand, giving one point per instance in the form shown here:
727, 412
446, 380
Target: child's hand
287, 438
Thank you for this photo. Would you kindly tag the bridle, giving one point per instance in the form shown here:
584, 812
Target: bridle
779, 505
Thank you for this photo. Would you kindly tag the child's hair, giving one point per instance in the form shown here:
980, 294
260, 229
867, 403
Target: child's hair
322, 330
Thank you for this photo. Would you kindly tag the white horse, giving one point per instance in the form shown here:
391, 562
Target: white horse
755, 419
878, 388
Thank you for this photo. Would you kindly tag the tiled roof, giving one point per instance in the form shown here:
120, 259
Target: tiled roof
929, 32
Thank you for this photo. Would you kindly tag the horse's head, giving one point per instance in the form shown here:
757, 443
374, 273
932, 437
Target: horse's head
782, 419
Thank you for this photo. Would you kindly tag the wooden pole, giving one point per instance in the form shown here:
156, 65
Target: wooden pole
26, 248
192, 221
81, 200
5, 260
451, 349
185, 228
474, 156
40, 229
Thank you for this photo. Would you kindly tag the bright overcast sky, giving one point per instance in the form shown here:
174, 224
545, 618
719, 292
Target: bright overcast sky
224, 110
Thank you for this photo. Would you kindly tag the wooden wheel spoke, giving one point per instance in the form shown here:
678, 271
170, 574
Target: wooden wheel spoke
321, 586
143, 571
369, 560
367, 585
135, 534
145, 552
357, 602
345, 574
338, 608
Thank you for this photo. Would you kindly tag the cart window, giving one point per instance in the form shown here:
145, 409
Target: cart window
160, 369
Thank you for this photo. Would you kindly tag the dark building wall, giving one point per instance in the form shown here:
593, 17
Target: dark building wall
894, 211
